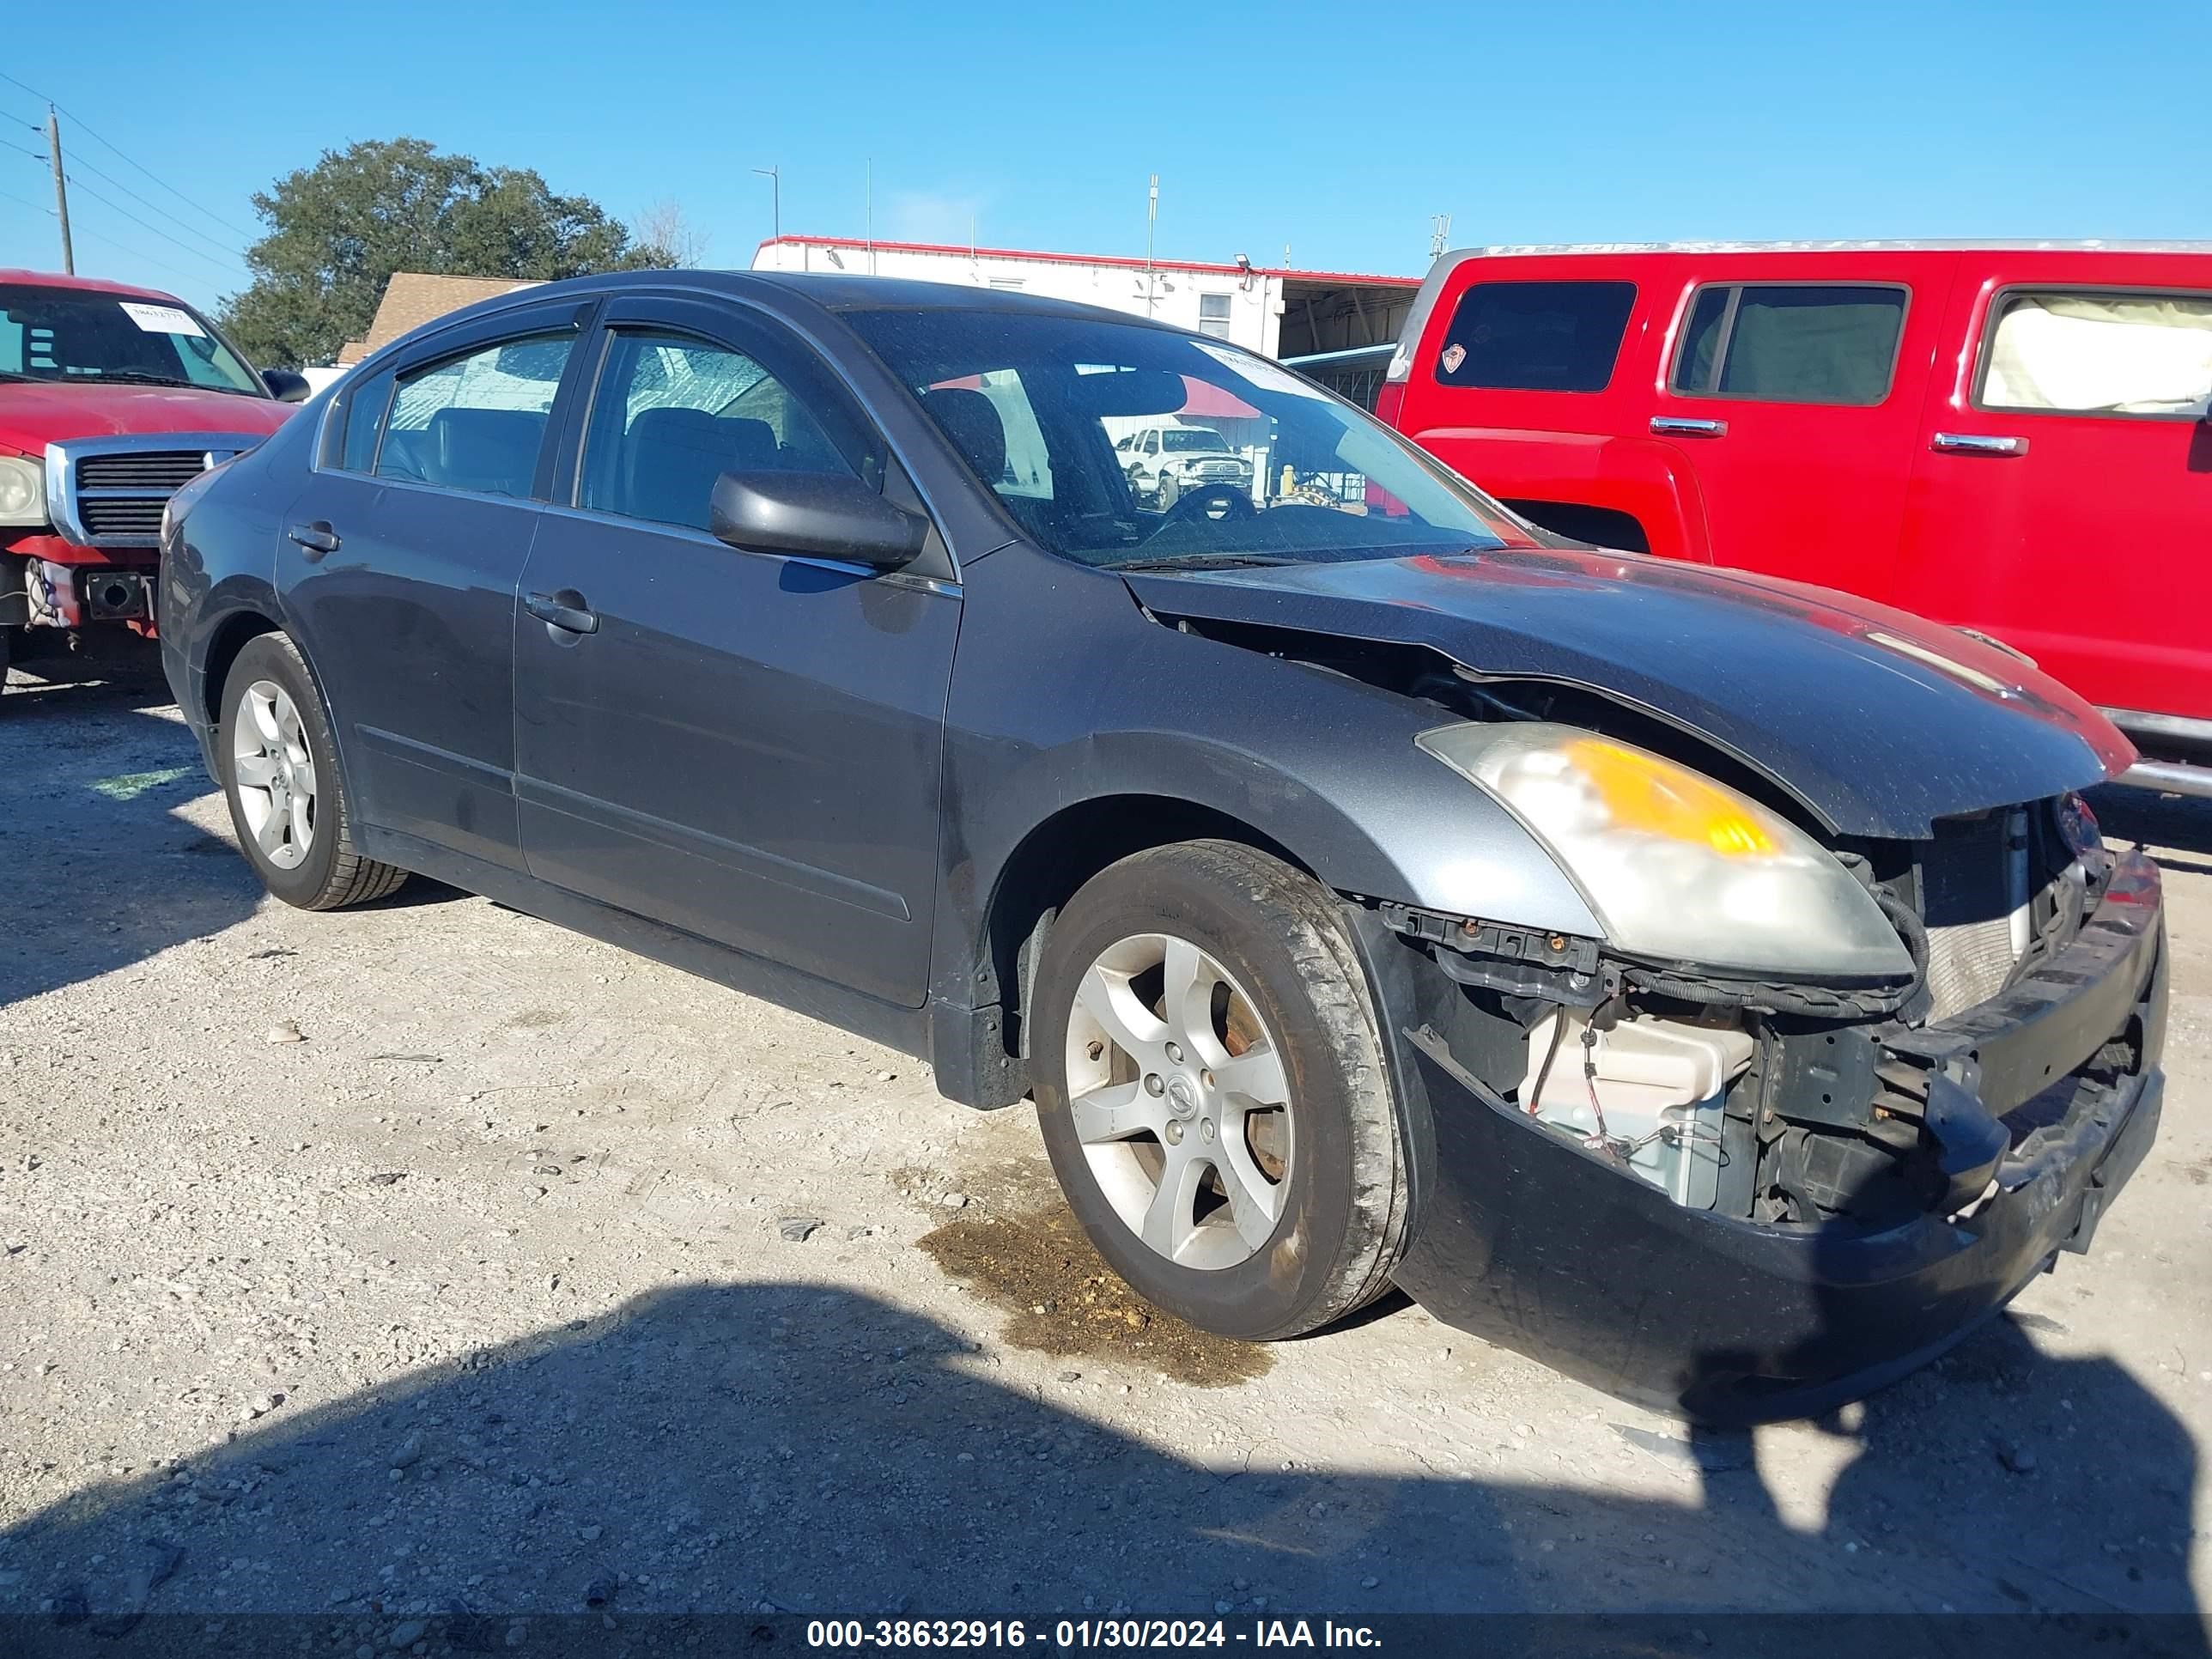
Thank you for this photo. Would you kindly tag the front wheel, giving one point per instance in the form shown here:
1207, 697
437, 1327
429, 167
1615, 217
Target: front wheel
1211, 1086
280, 772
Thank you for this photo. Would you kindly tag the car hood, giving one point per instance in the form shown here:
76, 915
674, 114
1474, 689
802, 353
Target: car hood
33, 416
1878, 722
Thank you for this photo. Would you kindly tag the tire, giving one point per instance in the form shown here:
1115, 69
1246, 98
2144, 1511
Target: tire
1317, 1235
1168, 489
304, 854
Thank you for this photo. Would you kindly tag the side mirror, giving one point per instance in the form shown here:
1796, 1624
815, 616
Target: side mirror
829, 515
287, 386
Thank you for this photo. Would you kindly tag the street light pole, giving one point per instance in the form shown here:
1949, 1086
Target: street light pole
1152, 219
775, 197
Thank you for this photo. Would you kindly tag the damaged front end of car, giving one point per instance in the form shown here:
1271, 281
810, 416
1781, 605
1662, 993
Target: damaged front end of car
1864, 1028
1743, 1194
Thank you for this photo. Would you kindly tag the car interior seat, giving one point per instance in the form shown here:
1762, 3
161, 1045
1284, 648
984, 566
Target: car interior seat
671, 457
492, 450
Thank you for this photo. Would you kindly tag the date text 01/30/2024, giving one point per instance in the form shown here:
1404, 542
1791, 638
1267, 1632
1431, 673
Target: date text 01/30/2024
860, 1634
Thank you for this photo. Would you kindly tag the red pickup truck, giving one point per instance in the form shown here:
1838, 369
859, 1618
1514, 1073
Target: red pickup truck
111, 397
2014, 439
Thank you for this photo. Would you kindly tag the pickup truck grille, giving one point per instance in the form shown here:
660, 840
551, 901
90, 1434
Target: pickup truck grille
108, 493
122, 521
162, 471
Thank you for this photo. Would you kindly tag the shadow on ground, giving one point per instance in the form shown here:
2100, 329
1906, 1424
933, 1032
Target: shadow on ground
787, 1447
102, 870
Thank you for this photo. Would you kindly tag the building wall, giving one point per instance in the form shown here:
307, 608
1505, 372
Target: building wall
1252, 304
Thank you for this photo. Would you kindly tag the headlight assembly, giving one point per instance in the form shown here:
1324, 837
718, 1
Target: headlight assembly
22, 491
1676, 867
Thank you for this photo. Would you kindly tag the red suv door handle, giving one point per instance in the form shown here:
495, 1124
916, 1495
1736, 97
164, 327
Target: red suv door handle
1974, 443
1687, 426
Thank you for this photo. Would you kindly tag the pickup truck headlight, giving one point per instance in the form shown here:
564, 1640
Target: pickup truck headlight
1676, 867
22, 490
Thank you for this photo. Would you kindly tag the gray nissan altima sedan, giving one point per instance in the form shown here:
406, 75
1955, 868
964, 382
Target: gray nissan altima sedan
1714, 986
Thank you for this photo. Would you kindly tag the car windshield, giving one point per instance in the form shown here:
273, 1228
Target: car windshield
80, 336
1036, 402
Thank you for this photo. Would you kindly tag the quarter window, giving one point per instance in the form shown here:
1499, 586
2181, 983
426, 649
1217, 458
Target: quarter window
475, 423
2100, 354
1536, 336
1791, 343
673, 414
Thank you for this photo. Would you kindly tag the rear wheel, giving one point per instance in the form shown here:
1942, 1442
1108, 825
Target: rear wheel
280, 773
1211, 1086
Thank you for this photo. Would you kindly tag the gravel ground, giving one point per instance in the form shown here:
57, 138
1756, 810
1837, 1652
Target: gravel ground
426, 1257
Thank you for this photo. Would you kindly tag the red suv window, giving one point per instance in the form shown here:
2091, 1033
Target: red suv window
1796, 343
1536, 336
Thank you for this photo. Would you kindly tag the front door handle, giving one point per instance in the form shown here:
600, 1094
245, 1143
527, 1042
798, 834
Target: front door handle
317, 537
1687, 426
1975, 443
565, 611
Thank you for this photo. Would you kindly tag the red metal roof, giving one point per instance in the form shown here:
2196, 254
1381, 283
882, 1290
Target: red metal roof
95, 284
1125, 261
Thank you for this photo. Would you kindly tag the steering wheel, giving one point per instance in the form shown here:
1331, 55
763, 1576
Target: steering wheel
1217, 503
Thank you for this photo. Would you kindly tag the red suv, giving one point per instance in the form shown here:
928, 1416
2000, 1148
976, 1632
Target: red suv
2015, 440
111, 397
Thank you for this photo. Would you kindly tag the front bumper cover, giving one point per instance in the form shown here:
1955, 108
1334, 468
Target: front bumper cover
1524, 1240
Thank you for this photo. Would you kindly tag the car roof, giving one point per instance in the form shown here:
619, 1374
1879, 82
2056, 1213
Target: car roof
85, 284
839, 294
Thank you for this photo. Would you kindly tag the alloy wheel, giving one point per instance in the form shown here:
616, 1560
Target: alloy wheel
274, 773
1177, 1094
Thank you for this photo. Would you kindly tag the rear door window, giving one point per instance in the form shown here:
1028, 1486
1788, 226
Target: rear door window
2090, 353
1791, 343
475, 423
1536, 336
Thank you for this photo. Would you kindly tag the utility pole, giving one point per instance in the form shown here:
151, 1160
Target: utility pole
61, 189
775, 197
1152, 220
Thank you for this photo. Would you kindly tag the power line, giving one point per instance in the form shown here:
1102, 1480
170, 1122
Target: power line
108, 143
144, 258
157, 229
9, 196
151, 208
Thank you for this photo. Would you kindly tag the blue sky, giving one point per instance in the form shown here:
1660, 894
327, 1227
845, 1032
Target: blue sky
1337, 130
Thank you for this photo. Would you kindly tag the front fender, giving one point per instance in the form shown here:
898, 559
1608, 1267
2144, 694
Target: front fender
1065, 692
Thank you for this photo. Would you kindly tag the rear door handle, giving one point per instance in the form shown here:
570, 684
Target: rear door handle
565, 611
1686, 426
316, 537
1975, 443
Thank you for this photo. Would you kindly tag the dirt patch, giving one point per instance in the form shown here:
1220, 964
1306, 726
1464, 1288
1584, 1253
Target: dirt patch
1067, 1302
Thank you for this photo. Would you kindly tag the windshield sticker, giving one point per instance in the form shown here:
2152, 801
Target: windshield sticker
1257, 371
161, 319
